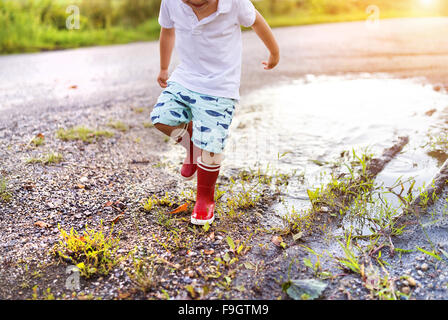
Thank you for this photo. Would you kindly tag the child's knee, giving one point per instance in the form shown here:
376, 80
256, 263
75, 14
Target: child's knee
211, 158
175, 132
159, 126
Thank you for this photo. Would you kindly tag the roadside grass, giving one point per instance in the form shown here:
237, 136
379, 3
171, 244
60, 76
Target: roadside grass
47, 159
305, 18
40, 25
34, 37
82, 133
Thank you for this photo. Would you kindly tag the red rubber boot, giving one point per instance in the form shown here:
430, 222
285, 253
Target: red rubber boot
204, 208
189, 167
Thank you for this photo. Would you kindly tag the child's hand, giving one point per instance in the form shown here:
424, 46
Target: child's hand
162, 78
272, 62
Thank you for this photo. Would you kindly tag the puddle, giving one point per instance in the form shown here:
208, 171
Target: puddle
307, 123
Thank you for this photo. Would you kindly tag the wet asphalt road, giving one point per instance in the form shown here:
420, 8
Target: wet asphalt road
47, 82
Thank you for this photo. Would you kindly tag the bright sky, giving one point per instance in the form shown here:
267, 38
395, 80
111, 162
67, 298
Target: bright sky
427, 2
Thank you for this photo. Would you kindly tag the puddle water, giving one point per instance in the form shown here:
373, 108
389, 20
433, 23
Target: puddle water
307, 123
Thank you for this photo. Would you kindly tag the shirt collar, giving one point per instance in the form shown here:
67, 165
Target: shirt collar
224, 6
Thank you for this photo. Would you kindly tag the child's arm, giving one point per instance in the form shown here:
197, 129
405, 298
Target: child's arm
264, 32
167, 37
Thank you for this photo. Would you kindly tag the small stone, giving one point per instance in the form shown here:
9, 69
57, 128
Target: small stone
41, 224
411, 281
424, 267
420, 273
406, 290
187, 280
191, 273
84, 179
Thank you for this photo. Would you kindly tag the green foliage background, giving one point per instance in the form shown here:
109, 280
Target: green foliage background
34, 25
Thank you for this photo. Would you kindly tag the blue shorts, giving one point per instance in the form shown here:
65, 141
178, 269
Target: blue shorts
211, 115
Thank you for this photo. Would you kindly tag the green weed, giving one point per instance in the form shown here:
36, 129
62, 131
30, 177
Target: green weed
144, 273
82, 133
5, 194
152, 202
33, 25
47, 295
48, 159
139, 110
93, 252
38, 140
118, 125
351, 259
438, 141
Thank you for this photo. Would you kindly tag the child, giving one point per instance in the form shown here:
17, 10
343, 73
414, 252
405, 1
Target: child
198, 102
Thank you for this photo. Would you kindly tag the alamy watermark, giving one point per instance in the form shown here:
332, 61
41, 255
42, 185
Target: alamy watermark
72, 282
73, 20
373, 20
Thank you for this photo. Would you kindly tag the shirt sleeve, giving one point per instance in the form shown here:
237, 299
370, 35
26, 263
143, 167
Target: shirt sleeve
246, 13
165, 20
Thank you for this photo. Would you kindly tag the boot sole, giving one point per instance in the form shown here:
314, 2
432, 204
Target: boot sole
202, 222
189, 178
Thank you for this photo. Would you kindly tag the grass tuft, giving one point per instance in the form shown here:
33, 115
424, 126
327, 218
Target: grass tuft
5, 195
118, 125
48, 159
93, 252
82, 133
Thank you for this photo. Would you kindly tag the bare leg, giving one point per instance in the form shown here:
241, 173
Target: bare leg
176, 133
212, 158
182, 135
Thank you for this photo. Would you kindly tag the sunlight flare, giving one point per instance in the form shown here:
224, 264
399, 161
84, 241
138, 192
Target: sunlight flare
427, 3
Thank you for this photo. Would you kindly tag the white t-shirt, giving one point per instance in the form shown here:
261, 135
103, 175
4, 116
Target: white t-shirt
210, 50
